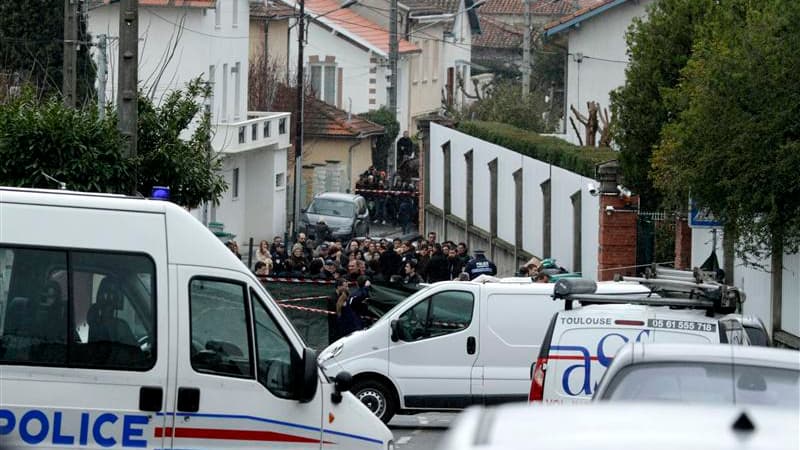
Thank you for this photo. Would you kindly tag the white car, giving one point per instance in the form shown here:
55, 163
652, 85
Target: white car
624, 426
703, 374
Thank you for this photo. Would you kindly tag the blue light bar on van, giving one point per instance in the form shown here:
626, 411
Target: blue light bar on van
160, 193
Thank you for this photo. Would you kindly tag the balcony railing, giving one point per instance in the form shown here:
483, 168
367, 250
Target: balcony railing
261, 129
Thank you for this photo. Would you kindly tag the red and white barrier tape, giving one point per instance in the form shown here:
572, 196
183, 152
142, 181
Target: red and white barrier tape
318, 311
385, 192
302, 299
295, 280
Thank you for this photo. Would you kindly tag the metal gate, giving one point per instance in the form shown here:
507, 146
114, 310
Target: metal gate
655, 238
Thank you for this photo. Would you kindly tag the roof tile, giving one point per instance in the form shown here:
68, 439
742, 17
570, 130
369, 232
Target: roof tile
586, 7
325, 120
496, 34
367, 30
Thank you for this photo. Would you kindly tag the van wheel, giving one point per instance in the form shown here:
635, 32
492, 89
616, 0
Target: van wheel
377, 397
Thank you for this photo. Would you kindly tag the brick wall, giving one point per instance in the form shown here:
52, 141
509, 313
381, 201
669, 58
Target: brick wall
683, 243
617, 236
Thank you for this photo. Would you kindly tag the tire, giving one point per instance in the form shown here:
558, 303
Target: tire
377, 397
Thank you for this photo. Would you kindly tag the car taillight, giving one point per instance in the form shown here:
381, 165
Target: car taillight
537, 380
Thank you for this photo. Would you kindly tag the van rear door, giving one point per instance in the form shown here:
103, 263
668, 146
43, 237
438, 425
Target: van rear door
584, 344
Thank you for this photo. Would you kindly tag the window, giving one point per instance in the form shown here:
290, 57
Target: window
266, 128
323, 81
443, 313
235, 13
273, 352
280, 179
77, 309
237, 98
212, 77
218, 14
219, 330
434, 60
426, 56
235, 184
282, 126
224, 92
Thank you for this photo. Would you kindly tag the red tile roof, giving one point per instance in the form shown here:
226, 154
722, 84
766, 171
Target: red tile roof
365, 29
496, 34
322, 119
432, 6
587, 6
271, 10
171, 3
538, 7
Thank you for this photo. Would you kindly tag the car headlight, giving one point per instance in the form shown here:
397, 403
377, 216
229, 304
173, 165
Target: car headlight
332, 352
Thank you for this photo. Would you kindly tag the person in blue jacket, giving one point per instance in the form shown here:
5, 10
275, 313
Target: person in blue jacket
480, 265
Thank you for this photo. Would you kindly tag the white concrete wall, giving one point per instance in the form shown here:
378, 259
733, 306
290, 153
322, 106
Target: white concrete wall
601, 41
756, 282
200, 44
564, 184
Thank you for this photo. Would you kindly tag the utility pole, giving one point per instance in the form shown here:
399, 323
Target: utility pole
70, 78
394, 50
526, 51
128, 75
298, 133
102, 74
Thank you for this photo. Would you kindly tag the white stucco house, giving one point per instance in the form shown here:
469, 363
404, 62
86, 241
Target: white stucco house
181, 40
596, 65
597, 53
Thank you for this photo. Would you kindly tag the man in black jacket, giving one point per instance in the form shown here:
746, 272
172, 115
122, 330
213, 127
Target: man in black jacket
437, 266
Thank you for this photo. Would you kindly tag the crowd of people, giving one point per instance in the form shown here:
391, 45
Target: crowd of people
410, 262
389, 202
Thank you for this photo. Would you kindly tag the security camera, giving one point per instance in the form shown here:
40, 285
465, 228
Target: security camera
592, 188
609, 209
623, 191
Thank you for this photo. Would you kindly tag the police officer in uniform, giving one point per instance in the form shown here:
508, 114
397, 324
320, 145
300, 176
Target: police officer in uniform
480, 265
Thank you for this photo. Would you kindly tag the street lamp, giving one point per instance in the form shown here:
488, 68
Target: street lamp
298, 138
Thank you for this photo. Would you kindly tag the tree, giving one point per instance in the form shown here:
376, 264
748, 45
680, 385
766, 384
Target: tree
659, 46
32, 47
188, 166
75, 146
735, 144
383, 117
505, 104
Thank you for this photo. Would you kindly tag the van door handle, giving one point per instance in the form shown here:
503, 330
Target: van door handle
188, 399
471, 345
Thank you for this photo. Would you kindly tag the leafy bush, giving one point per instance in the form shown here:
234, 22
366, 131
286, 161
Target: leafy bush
548, 149
383, 117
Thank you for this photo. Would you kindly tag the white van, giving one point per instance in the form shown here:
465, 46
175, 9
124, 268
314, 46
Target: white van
124, 323
451, 345
581, 343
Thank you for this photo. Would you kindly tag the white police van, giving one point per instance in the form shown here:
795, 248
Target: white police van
124, 323
581, 343
451, 345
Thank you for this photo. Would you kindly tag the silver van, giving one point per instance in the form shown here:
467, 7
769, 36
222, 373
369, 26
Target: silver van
345, 216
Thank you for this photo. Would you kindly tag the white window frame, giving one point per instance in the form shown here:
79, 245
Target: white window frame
324, 68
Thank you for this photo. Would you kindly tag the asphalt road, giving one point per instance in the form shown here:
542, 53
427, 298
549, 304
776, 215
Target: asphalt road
420, 431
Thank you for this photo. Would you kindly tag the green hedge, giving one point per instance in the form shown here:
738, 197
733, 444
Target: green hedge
548, 149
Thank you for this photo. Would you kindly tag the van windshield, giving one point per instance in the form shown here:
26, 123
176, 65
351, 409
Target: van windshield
331, 207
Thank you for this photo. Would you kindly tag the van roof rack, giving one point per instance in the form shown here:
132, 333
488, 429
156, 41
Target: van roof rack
572, 289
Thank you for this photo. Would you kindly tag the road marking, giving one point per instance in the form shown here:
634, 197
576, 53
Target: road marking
403, 440
423, 420
416, 432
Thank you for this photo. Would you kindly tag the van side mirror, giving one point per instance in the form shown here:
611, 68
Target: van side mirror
309, 376
341, 383
397, 330
302, 210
